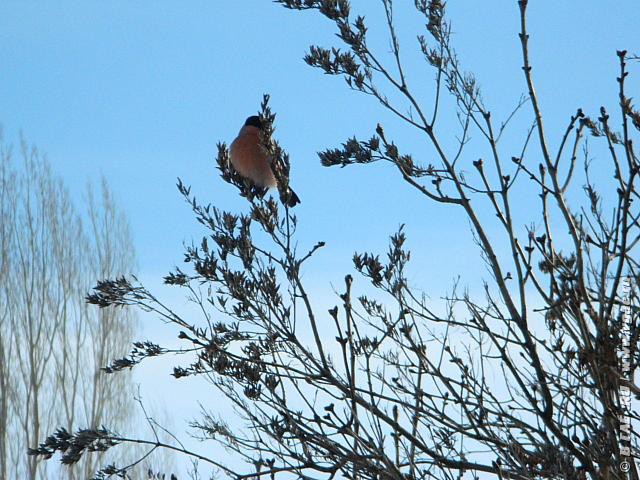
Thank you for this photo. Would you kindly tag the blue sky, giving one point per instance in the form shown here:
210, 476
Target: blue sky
142, 91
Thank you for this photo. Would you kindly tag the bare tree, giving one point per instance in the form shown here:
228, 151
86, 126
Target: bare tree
33, 294
530, 380
52, 345
107, 398
6, 347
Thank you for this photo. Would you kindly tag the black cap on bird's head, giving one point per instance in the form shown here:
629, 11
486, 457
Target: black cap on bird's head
253, 121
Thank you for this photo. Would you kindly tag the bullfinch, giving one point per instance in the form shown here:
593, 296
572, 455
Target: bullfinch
249, 158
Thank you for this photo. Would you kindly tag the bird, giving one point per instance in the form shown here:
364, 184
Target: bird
249, 158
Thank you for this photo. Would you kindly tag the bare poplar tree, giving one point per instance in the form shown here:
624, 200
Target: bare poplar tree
33, 302
51, 344
532, 379
7, 180
107, 399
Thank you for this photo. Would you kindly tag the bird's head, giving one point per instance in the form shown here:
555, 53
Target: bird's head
253, 121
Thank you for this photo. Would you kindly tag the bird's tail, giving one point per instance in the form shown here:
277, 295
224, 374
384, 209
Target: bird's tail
291, 199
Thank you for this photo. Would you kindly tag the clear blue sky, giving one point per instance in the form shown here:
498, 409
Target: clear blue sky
142, 91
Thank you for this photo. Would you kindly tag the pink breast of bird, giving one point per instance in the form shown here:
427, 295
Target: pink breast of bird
249, 158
